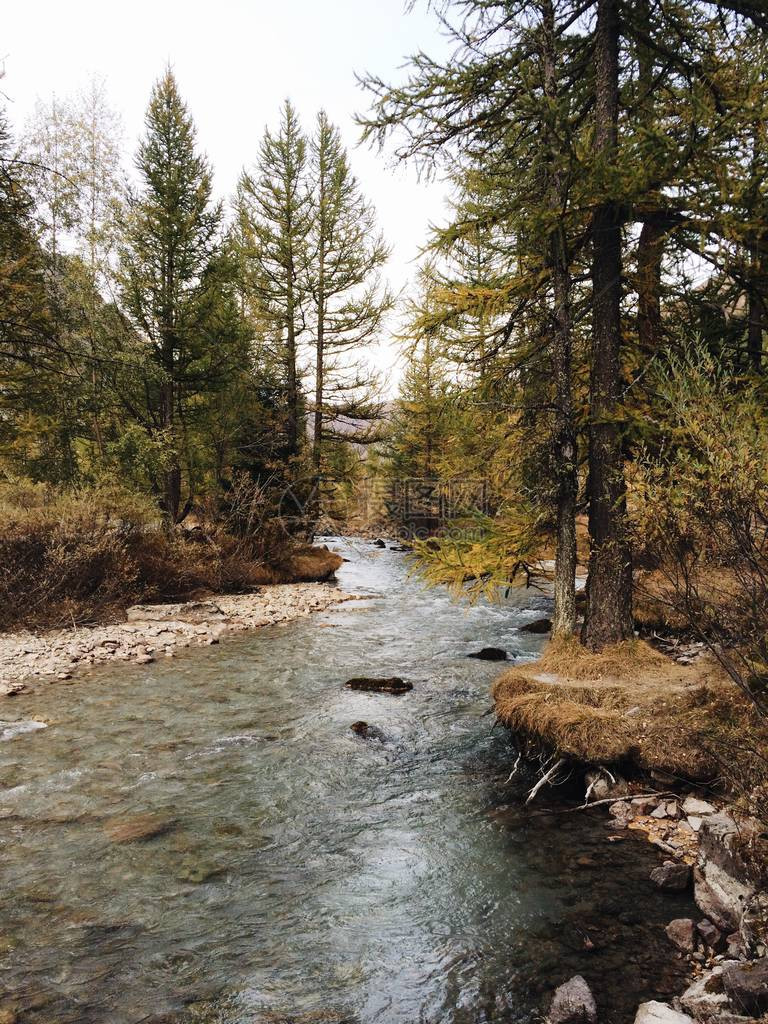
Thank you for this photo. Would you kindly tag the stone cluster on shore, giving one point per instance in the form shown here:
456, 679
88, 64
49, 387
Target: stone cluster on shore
152, 631
711, 850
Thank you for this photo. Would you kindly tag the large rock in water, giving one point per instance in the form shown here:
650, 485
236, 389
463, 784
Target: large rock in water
490, 654
394, 685
573, 1003
660, 1013
538, 627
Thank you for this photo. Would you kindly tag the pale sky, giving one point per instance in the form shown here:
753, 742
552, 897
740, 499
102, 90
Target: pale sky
235, 62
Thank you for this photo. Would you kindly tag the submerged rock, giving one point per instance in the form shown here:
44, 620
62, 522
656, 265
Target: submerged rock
137, 828
489, 654
394, 685
573, 1003
368, 732
10, 730
654, 1012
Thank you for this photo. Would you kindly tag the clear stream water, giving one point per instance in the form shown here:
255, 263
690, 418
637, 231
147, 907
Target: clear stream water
308, 874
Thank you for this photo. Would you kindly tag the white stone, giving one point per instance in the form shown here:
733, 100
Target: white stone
692, 805
660, 1013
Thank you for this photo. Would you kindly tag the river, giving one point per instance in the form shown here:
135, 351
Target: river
300, 872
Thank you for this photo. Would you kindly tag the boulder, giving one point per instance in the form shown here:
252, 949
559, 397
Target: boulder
747, 986
489, 654
573, 1003
598, 785
682, 933
722, 884
379, 543
660, 1013
710, 934
671, 876
538, 627
692, 805
706, 996
394, 685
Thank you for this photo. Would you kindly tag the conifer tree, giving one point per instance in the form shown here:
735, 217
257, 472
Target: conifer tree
348, 302
174, 278
275, 217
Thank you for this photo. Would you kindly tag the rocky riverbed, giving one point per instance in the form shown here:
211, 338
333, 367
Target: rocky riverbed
720, 856
153, 631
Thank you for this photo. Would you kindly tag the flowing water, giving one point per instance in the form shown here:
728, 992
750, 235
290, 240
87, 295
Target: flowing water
300, 872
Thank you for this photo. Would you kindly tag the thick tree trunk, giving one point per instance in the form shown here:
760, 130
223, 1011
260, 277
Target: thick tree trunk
609, 586
566, 460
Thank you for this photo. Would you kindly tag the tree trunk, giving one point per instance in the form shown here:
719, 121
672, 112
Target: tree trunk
292, 388
566, 461
650, 253
609, 586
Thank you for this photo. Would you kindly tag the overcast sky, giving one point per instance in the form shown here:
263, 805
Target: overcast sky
235, 61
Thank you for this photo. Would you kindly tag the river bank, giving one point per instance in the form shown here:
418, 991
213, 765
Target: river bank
674, 752
153, 631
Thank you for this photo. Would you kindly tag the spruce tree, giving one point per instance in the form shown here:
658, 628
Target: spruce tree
173, 276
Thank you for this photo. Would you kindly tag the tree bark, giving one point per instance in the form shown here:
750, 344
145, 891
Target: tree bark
650, 253
566, 453
609, 585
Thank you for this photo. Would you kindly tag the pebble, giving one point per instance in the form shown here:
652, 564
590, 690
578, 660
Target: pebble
57, 654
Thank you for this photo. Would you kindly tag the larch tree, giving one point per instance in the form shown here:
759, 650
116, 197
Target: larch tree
349, 303
275, 217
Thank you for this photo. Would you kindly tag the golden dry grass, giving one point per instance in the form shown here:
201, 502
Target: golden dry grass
629, 705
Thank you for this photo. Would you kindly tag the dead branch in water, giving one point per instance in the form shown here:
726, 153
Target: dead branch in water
545, 779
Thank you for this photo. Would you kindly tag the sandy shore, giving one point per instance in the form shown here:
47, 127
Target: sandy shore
152, 631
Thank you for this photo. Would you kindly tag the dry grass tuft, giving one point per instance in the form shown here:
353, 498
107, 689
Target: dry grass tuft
631, 706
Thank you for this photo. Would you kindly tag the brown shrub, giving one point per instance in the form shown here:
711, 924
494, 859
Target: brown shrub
74, 558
